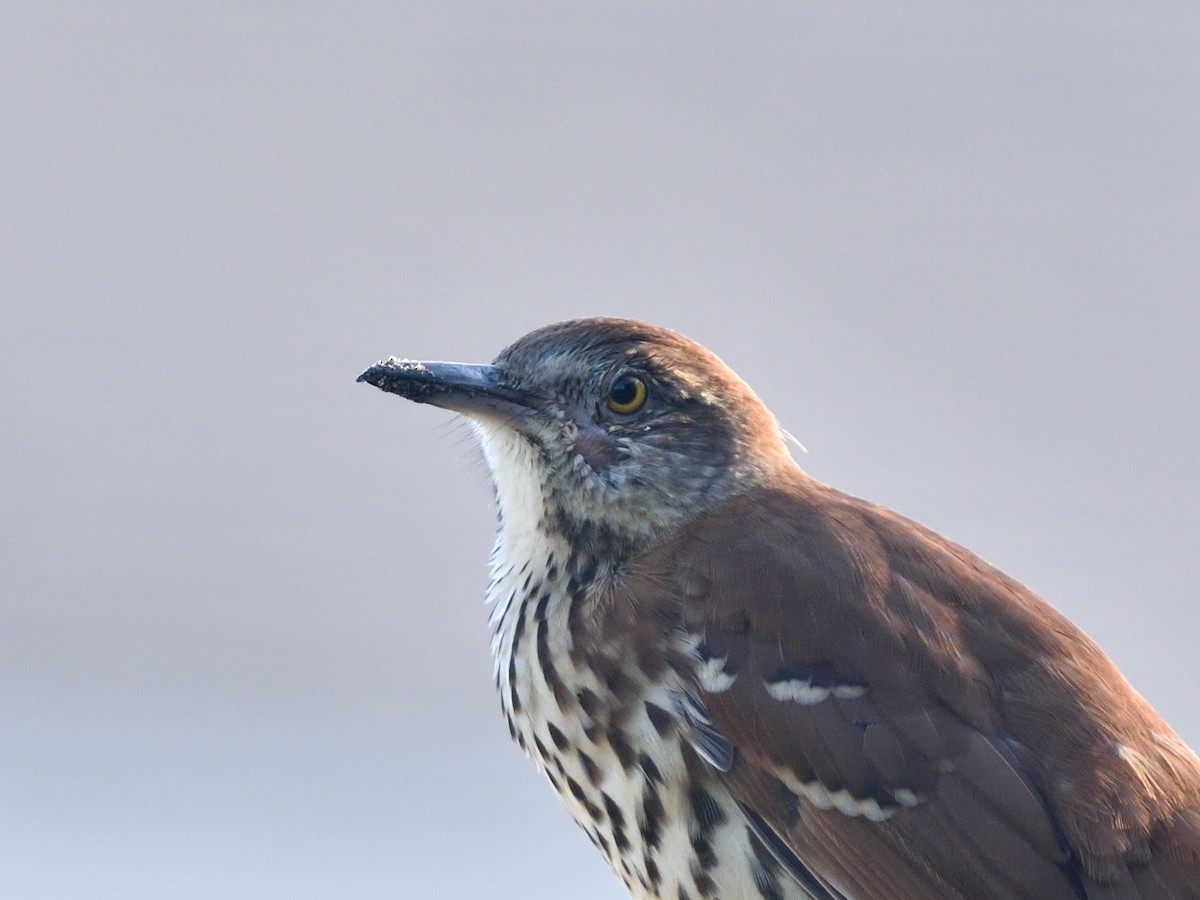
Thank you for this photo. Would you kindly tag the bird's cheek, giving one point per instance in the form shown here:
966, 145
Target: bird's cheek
595, 446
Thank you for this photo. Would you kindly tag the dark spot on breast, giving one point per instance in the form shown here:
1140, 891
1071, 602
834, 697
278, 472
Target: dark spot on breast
562, 695
543, 645
659, 718
706, 857
618, 683
650, 769
589, 702
707, 812
765, 882
626, 870
652, 815
705, 886
652, 872
512, 684
593, 772
579, 794
543, 602
519, 628
556, 735
617, 819
620, 746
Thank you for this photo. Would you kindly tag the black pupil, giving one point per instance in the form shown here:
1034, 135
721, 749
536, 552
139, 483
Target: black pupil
624, 391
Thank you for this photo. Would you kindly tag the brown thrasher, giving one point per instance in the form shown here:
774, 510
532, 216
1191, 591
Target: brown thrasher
745, 684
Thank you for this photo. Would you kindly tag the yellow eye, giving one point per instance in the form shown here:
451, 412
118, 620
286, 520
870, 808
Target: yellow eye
627, 395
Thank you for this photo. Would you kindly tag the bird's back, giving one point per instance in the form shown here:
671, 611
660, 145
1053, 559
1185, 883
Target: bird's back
903, 713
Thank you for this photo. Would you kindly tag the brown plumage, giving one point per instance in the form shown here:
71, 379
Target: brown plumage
1036, 770
745, 683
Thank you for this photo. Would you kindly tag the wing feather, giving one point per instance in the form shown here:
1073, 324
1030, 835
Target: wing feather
908, 722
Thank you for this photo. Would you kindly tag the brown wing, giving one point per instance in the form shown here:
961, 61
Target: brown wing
911, 723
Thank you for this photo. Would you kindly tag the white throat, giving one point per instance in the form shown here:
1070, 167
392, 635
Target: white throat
524, 551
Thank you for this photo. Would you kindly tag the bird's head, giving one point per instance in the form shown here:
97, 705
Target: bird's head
610, 431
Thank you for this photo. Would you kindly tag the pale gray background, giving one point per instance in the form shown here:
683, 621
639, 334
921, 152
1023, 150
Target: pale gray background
242, 649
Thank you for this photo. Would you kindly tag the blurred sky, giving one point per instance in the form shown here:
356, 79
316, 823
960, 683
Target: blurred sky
243, 652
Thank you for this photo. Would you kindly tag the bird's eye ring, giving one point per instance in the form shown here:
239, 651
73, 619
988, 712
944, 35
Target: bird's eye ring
626, 395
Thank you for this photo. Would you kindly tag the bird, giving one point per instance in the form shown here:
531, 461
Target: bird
745, 684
